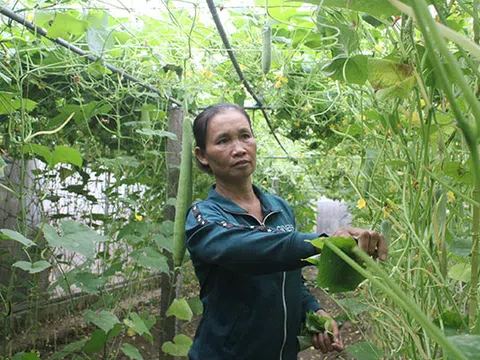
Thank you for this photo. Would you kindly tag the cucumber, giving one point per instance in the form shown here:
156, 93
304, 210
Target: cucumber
266, 48
184, 194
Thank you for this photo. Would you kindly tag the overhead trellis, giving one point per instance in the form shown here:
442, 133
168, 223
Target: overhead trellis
41, 31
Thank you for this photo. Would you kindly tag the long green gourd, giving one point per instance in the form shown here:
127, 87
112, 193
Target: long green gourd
184, 194
266, 48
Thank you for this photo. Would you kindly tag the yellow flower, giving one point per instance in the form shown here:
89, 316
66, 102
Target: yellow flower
345, 122
307, 107
130, 332
361, 203
297, 123
378, 47
451, 196
138, 217
422, 102
278, 84
332, 127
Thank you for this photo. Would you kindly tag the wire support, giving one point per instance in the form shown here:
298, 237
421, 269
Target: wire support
233, 59
41, 31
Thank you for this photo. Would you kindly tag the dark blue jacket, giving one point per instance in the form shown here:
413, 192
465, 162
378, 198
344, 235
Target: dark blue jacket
250, 279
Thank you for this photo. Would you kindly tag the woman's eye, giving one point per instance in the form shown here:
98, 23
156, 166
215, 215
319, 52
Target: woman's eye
222, 141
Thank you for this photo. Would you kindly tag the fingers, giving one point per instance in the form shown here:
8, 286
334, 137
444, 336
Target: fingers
337, 339
382, 249
322, 342
371, 242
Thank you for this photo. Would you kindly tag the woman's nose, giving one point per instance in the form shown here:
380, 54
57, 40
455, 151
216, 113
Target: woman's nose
238, 148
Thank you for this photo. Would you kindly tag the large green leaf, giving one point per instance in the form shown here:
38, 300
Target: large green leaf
138, 325
180, 309
69, 349
179, 347
196, 305
25, 356
400, 90
14, 235
164, 242
65, 25
10, 102
32, 268
160, 133
379, 8
40, 150
151, 258
460, 272
88, 282
96, 342
105, 320
99, 37
365, 350
2, 166
131, 351
66, 155
356, 70
383, 73
334, 273
461, 247
468, 344
75, 237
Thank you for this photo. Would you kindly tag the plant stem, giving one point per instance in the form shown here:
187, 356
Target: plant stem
381, 279
473, 303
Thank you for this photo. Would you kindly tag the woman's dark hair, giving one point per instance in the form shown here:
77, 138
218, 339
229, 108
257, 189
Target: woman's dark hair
200, 125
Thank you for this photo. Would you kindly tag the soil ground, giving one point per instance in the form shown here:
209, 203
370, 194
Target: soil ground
74, 328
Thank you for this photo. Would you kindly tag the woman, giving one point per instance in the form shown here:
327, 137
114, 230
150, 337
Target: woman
247, 254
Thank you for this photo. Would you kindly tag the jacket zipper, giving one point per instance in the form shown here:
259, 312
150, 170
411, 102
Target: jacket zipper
284, 300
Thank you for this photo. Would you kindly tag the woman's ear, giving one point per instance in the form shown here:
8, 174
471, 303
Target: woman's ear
200, 154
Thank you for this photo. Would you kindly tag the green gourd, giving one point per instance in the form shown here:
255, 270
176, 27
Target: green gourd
184, 194
266, 48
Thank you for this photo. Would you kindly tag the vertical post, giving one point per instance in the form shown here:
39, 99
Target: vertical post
174, 149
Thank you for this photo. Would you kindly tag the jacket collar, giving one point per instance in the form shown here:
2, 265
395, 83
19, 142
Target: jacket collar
230, 206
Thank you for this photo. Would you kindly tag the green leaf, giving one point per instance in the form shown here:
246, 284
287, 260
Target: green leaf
316, 323
151, 258
76, 237
461, 247
2, 166
378, 8
65, 26
105, 320
89, 282
383, 73
196, 305
356, 70
160, 133
131, 351
32, 268
25, 356
10, 102
69, 349
460, 272
66, 155
96, 342
114, 331
180, 346
40, 150
180, 309
163, 242
468, 344
400, 90
13, 235
365, 351
333, 272
136, 324
354, 306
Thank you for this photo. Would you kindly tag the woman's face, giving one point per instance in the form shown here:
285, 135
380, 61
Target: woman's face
230, 148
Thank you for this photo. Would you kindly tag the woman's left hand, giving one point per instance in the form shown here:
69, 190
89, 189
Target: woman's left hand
325, 341
372, 242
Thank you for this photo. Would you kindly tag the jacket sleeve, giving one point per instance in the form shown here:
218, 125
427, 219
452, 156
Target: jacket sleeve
251, 250
309, 302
